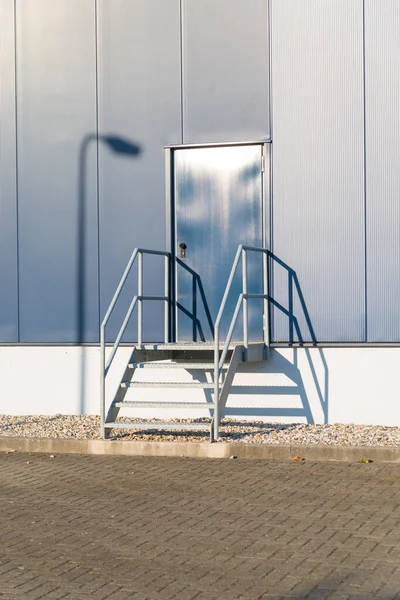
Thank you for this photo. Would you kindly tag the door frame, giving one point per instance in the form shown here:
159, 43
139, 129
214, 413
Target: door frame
170, 219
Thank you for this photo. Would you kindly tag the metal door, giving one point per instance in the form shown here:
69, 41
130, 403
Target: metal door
218, 205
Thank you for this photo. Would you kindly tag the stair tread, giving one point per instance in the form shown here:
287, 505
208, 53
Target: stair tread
153, 404
185, 345
166, 384
160, 425
174, 365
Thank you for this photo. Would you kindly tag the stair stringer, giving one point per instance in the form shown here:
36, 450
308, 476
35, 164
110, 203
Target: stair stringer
257, 352
137, 356
236, 359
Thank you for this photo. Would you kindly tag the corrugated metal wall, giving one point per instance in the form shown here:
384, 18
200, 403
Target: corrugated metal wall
318, 167
225, 70
8, 195
382, 87
56, 110
139, 94
159, 73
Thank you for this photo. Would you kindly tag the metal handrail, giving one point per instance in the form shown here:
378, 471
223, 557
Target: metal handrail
242, 301
137, 299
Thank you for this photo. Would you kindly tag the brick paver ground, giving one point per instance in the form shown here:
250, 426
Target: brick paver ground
116, 528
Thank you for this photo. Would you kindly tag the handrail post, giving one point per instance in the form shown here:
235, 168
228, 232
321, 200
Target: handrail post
194, 308
215, 433
266, 300
140, 294
245, 305
102, 382
167, 295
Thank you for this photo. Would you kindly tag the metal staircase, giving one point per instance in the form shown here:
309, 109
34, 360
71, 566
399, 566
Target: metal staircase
215, 363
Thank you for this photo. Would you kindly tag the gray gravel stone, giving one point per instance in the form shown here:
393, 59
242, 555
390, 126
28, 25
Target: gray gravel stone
87, 427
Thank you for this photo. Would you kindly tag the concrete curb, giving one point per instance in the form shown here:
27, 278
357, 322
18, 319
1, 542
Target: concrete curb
200, 450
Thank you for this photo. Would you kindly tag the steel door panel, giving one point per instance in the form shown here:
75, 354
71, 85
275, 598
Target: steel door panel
218, 204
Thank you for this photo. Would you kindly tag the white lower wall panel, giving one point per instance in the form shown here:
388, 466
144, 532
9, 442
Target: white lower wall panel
51, 380
334, 385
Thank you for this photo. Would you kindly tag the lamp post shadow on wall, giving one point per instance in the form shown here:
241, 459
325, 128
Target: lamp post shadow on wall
117, 145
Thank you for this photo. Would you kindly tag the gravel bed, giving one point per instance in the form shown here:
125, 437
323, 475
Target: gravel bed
255, 432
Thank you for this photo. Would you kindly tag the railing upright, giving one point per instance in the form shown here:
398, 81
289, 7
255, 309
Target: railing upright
215, 423
102, 381
245, 304
265, 301
140, 294
167, 303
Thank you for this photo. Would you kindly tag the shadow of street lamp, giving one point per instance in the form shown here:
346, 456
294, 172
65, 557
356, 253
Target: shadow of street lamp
118, 145
122, 147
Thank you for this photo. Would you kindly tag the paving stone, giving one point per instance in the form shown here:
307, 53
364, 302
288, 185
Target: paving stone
116, 528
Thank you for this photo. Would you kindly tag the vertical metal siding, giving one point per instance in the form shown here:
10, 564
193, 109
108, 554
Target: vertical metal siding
318, 170
139, 99
8, 199
382, 80
56, 112
225, 70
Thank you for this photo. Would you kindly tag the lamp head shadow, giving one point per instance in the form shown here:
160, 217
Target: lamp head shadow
120, 145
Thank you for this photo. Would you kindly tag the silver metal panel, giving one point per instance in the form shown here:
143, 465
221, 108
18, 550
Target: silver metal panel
318, 170
382, 88
56, 105
8, 197
139, 99
218, 199
225, 70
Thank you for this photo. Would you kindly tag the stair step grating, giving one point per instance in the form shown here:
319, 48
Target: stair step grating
181, 365
206, 346
148, 425
151, 404
167, 384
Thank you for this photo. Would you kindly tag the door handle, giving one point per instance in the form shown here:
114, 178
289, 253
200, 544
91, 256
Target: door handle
183, 247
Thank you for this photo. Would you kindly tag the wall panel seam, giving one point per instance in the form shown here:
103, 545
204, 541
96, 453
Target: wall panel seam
96, 39
181, 66
16, 171
365, 184
269, 50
